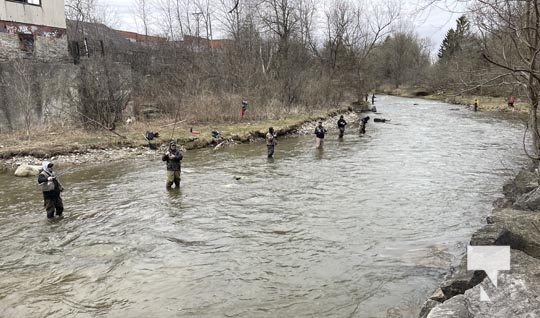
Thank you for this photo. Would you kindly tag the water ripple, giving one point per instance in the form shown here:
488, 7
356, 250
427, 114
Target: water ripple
367, 225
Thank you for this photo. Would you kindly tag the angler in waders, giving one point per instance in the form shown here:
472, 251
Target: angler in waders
363, 123
341, 126
51, 188
173, 157
270, 142
319, 132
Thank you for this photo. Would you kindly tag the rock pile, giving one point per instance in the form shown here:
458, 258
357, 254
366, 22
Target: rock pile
515, 222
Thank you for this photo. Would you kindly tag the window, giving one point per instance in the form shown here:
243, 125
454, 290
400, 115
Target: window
26, 42
32, 2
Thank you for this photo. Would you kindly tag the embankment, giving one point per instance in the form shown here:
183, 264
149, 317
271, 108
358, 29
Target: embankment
76, 148
515, 222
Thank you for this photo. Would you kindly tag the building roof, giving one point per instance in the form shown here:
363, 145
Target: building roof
78, 31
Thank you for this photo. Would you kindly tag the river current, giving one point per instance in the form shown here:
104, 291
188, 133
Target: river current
365, 228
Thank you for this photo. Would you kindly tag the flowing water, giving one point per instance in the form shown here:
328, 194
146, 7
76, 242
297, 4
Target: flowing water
365, 228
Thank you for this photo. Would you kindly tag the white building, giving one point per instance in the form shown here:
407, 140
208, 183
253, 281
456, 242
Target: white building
33, 29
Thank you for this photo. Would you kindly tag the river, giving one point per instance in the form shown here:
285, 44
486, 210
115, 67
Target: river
365, 228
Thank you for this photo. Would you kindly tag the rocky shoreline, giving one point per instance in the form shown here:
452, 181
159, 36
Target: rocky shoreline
112, 154
515, 222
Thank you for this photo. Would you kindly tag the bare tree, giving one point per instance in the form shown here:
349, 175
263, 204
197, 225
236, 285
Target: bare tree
402, 58
339, 22
165, 10
92, 11
204, 13
373, 23
23, 83
231, 18
107, 15
102, 92
142, 12
81, 10
510, 40
281, 18
306, 14
184, 9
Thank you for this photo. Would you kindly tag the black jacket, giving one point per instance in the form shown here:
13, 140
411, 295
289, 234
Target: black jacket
53, 194
341, 123
319, 132
173, 164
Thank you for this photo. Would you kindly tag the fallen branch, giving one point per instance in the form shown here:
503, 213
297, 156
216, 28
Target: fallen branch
220, 144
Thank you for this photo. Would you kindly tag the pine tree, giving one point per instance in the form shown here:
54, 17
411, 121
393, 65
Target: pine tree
453, 40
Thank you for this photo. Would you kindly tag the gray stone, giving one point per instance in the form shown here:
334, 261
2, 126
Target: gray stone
518, 229
524, 182
438, 296
427, 307
27, 171
502, 203
529, 201
461, 280
516, 295
490, 234
452, 308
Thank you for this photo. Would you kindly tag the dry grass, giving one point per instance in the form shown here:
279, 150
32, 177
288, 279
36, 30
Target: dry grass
63, 140
488, 103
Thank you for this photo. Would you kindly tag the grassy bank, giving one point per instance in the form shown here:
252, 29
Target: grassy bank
61, 141
486, 103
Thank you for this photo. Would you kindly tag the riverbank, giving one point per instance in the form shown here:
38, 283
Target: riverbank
75, 146
514, 222
486, 103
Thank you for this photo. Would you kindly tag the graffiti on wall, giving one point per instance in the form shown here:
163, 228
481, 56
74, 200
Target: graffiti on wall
38, 30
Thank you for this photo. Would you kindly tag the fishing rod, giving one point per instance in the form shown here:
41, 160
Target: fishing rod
65, 171
175, 122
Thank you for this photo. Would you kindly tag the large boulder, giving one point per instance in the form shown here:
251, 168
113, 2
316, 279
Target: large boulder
518, 229
529, 201
461, 280
452, 308
524, 182
516, 294
25, 170
427, 307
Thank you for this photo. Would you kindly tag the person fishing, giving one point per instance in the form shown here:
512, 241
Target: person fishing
341, 126
373, 99
363, 123
320, 131
511, 102
271, 142
244, 108
173, 157
476, 104
51, 188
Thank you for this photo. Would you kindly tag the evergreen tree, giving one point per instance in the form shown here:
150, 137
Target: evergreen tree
453, 40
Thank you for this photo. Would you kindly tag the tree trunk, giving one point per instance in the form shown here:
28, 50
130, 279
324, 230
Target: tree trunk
533, 125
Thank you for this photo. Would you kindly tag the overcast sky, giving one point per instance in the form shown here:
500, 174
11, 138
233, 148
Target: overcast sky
430, 21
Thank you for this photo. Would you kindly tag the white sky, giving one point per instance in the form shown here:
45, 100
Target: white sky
430, 21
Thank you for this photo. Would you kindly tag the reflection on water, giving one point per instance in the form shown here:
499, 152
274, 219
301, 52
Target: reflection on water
364, 227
